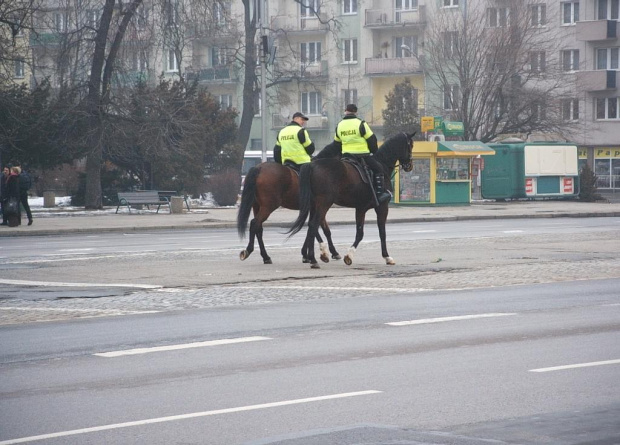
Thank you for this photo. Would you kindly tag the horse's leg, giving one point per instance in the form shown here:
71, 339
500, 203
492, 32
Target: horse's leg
382, 212
313, 230
360, 218
322, 247
250, 247
328, 234
261, 244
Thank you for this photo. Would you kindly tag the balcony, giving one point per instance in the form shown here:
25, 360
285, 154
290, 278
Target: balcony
390, 17
300, 25
377, 66
316, 122
217, 74
598, 80
597, 30
314, 71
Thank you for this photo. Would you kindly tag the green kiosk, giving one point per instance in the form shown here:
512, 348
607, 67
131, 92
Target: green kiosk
442, 172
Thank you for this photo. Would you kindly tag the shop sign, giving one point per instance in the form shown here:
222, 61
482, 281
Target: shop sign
529, 186
568, 185
427, 123
583, 153
438, 121
453, 128
607, 152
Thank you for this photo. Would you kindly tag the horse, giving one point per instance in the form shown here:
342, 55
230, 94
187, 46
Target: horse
332, 181
271, 185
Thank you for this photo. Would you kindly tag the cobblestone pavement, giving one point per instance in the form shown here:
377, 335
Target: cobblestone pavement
422, 266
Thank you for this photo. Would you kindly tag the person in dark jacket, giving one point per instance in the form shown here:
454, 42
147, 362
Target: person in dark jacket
4, 197
12, 189
24, 185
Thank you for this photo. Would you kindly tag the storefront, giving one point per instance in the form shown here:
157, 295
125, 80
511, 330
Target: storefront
441, 174
607, 168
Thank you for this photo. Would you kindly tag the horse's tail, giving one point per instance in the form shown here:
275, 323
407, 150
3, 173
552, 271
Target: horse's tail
247, 200
305, 198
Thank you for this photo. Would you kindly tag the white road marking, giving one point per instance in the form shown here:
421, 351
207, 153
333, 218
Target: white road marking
442, 319
62, 284
200, 344
77, 250
512, 231
188, 416
578, 365
424, 231
396, 289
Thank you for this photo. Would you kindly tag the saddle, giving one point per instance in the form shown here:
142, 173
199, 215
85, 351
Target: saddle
361, 167
295, 167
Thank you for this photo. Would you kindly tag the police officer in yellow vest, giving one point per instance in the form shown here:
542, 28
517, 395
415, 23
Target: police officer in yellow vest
293, 144
358, 140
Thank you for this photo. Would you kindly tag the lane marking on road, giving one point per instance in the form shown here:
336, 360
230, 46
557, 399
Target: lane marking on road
396, 289
443, 319
62, 284
189, 416
77, 250
200, 344
578, 365
512, 231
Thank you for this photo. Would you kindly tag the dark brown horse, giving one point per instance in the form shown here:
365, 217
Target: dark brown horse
331, 181
267, 187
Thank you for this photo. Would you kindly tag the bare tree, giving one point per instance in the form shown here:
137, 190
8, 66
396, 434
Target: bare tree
495, 67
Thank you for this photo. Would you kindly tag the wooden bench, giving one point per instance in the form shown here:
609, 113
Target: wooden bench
146, 197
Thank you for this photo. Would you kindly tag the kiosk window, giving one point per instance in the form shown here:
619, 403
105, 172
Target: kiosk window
453, 169
416, 184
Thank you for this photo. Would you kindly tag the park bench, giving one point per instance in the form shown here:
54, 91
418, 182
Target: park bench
146, 197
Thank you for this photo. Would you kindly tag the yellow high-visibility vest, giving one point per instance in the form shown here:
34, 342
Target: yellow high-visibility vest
348, 133
292, 149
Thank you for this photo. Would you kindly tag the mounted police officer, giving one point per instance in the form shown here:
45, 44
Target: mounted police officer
357, 140
293, 145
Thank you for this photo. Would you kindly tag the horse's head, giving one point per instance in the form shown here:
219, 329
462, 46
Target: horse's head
406, 158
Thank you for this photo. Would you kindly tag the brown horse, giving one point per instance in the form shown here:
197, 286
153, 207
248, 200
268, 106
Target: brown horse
331, 181
267, 187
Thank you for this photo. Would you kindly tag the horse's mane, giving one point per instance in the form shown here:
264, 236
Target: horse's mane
388, 153
330, 151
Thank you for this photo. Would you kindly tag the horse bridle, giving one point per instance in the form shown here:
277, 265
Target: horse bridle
408, 166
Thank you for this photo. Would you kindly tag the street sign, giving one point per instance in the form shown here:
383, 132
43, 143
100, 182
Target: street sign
427, 123
453, 128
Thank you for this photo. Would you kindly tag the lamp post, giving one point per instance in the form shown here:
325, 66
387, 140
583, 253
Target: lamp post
263, 79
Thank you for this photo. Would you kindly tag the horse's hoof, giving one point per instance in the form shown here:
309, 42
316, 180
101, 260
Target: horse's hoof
243, 255
315, 266
267, 261
390, 261
347, 260
324, 258
305, 260
336, 257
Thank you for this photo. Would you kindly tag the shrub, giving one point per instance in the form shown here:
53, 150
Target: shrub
224, 186
587, 185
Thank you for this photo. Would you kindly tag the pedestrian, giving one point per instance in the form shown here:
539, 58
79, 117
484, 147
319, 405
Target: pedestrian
293, 144
25, 183
13, 196
4, 197
357, 140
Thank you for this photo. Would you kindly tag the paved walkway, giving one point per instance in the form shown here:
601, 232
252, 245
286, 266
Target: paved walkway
59, 221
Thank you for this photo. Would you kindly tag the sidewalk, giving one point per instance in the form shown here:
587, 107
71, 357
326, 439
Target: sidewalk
61, 221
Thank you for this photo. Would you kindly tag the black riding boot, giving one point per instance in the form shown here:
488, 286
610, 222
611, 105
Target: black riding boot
382, 194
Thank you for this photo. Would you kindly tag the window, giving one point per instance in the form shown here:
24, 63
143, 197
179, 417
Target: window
310, 53
570, 13
139, 61
497, 17
60, 22
538, 15
220, 13
450, 3
171, 12
309, 8
451, 97
450, 43
607, 108
607, 9
538, 111
607, 58
349, 7
92, 18
219, 57
142, 17
349, 96
311, 103
19, 69
570, 109
171, 61
570, 60
257, 104
403, 6
225, 100
537, 62
406, 46
349, 51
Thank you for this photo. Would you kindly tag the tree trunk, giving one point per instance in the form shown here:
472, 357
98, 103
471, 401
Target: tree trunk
250, 79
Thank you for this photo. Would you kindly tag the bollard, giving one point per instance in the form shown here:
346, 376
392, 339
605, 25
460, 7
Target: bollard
176, 204
49, 199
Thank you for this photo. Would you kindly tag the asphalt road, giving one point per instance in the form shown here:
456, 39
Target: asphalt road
434, 367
